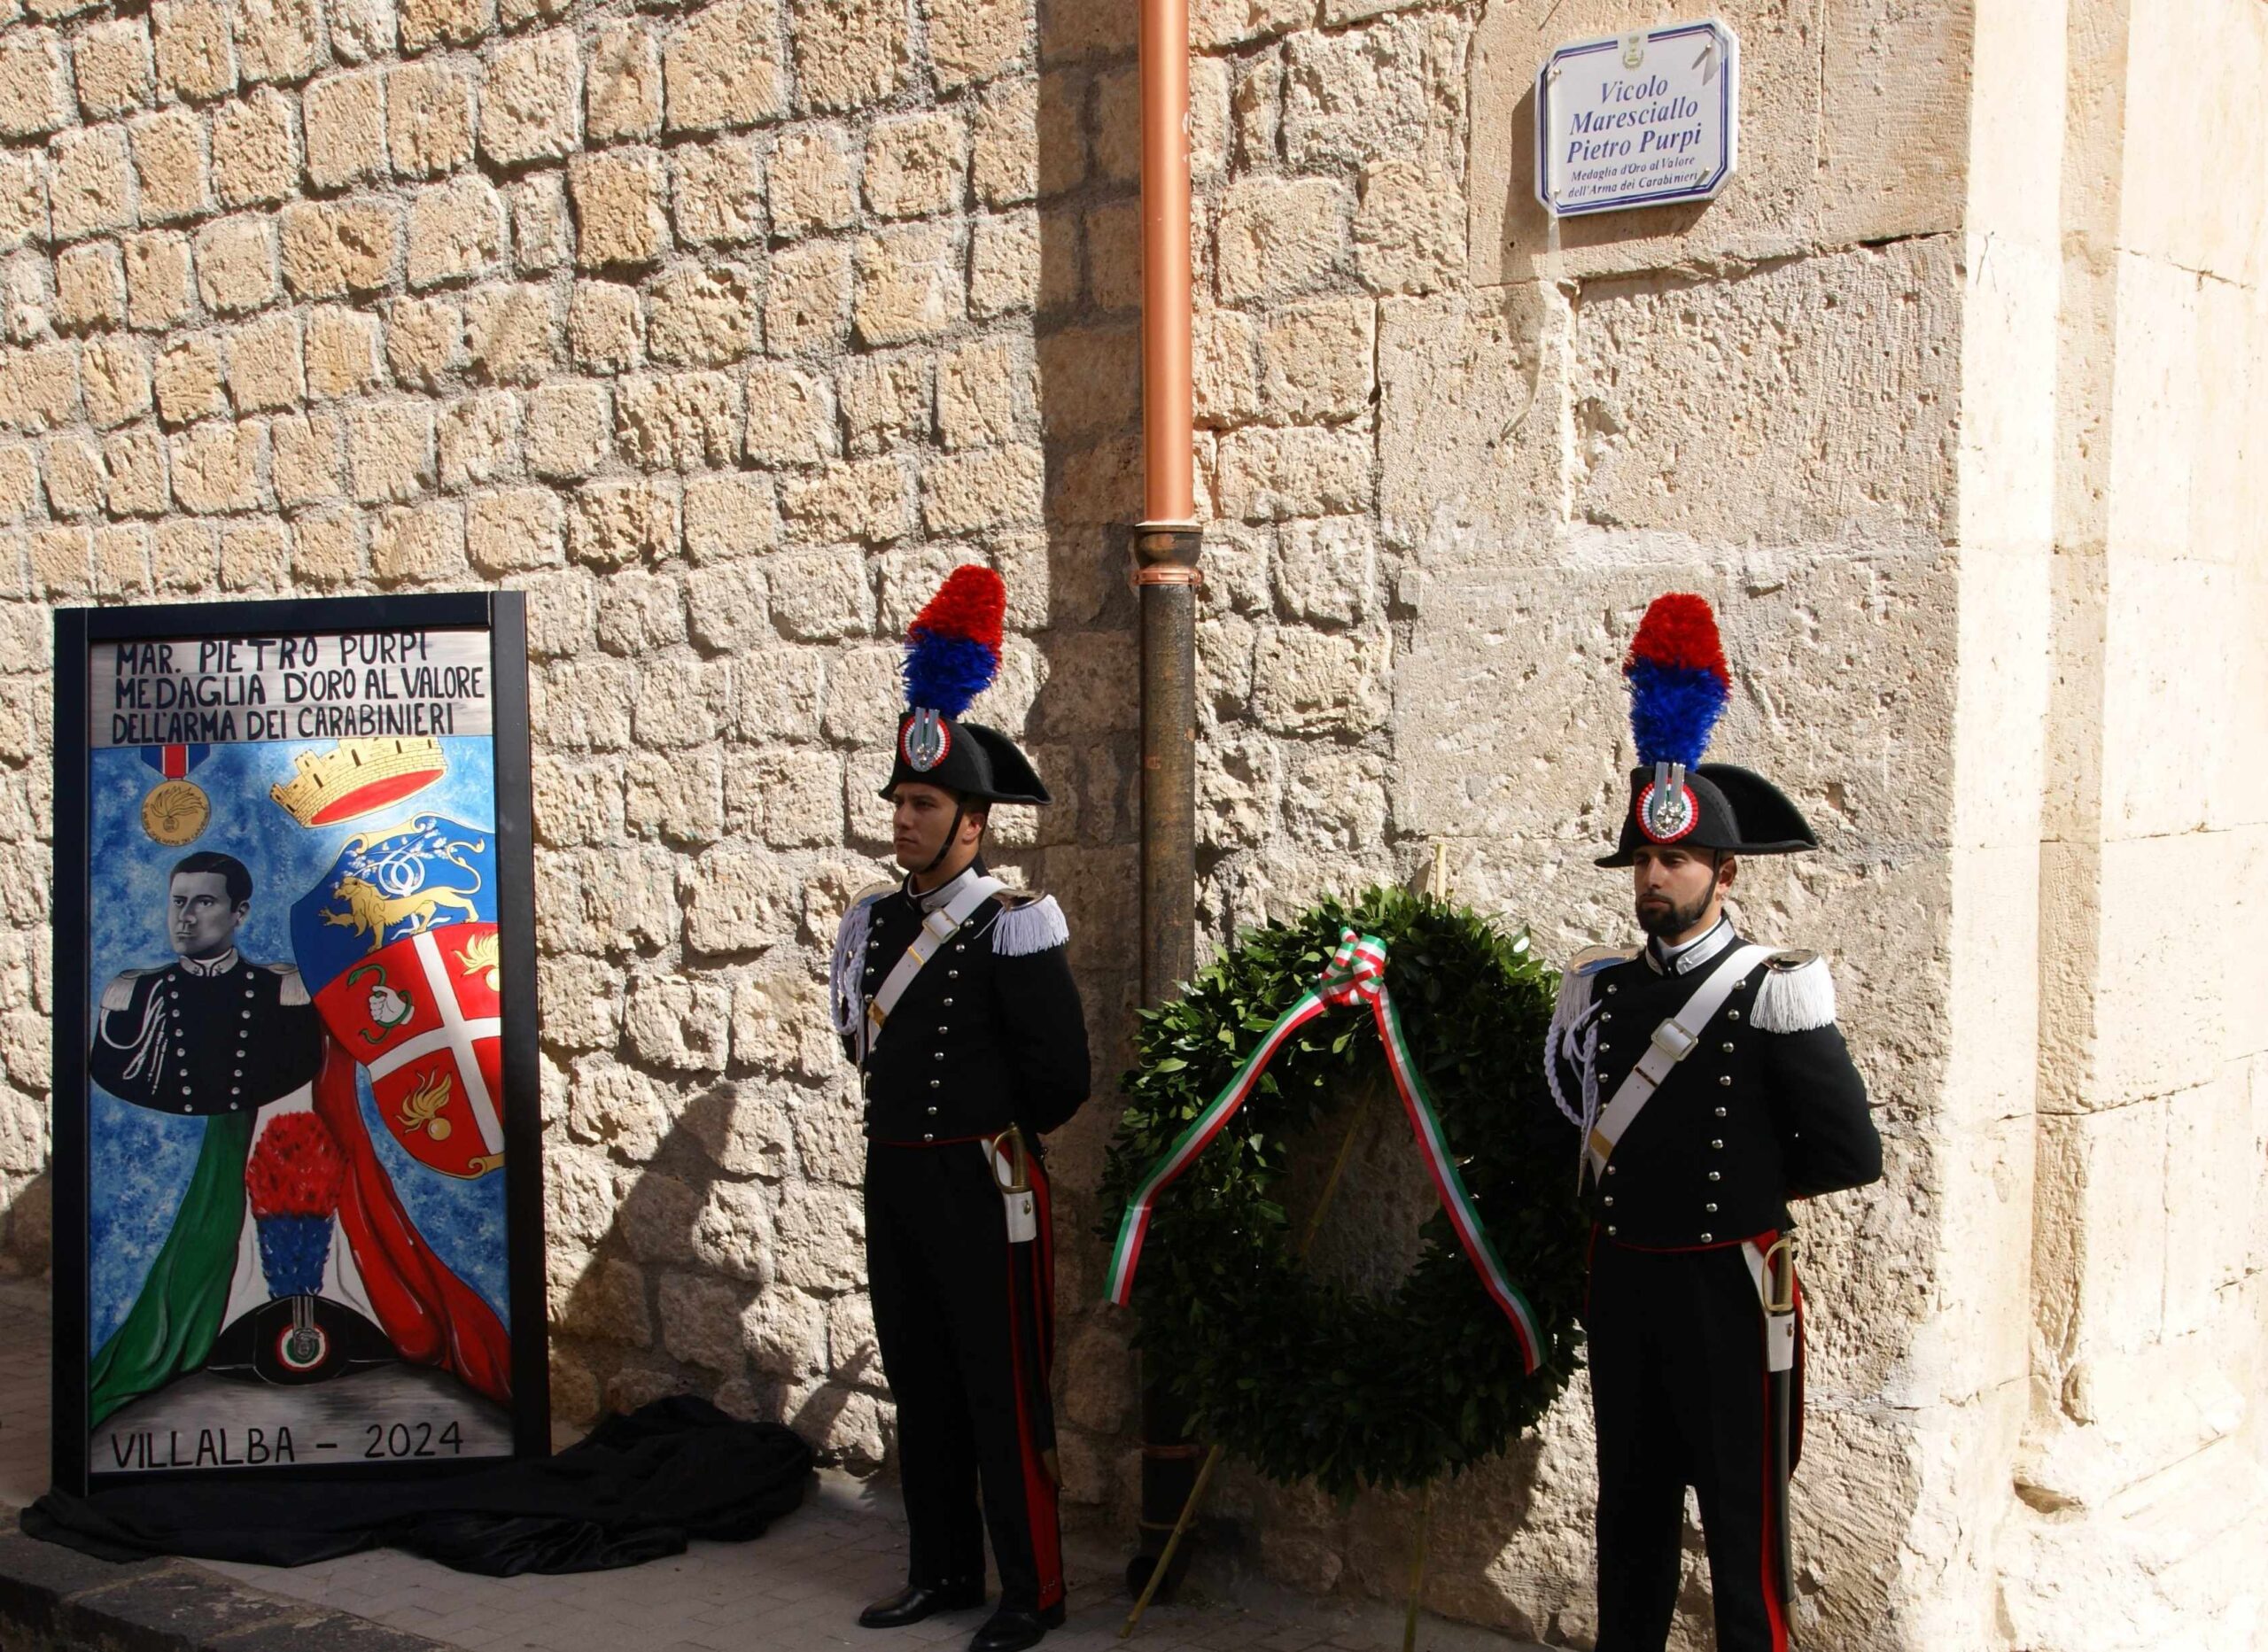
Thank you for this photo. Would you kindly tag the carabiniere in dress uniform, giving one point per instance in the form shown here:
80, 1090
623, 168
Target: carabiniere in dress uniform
954, 996
1710, 1086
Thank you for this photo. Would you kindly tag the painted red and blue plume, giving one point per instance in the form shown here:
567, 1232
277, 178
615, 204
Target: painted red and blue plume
293, 1180
1679, 680
953, 647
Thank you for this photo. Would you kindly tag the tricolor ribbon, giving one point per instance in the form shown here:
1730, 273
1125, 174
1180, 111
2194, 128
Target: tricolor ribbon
1357, 973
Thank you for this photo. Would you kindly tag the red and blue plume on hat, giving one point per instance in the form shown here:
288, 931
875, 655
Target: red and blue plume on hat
953, 647
1679, 680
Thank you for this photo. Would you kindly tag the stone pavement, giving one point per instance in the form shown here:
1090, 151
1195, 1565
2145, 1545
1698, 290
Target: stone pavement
797, 1589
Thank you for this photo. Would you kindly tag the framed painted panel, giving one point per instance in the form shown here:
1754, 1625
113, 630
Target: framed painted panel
298, 1209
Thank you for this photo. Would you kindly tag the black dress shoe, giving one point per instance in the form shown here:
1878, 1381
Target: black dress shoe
1011, 1629
916, 1600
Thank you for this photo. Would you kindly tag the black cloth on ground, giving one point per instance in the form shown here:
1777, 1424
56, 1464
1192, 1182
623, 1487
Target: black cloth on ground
636, 1490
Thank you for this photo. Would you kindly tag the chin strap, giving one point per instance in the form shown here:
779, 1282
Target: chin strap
952, 832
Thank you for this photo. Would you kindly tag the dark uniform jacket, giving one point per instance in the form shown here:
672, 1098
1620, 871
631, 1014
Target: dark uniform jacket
1766, 1108
186, 1040
990, 1034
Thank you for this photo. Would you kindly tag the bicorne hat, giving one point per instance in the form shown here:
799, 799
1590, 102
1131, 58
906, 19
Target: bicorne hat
1679, 684
952, 654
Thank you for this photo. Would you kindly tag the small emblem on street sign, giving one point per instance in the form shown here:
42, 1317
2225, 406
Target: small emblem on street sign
1637, 120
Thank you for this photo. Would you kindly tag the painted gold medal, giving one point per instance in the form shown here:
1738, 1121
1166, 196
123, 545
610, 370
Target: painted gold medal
176, 812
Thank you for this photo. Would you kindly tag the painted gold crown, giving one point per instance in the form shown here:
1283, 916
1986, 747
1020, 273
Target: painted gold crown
356, 776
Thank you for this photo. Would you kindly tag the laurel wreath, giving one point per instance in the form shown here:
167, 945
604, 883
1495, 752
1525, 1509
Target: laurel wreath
1299, 1376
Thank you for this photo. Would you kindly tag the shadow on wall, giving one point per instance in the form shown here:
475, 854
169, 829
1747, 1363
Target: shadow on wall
27, 1223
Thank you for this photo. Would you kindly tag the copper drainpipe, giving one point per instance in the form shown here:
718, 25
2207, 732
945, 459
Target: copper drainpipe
1166, 546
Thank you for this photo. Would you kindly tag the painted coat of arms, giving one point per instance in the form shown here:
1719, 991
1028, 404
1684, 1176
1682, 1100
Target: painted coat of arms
398, 944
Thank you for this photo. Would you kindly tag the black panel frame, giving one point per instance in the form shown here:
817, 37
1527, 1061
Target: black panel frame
503, 615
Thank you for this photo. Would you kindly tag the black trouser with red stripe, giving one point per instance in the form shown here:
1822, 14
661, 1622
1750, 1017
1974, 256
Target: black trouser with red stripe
1679, 1391
966, 1321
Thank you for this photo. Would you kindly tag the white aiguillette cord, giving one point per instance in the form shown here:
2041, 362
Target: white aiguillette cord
938, 928
1670, 1044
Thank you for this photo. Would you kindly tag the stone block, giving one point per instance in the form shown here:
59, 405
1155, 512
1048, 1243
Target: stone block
820, 596
914, 164
345, 117
389, 450
674, 796
1217, 23
457, 231
278, 40
91, 191
1225, 369
327, 551
785, 1333
190, 379
1372, 92
34, 94
424, 340
727, 607
604, 327
790, 797
987, 392
531, 99
1281, 236
790, 416
1210, 135
1004, 145
267, 370
907, 285
721, 67
863, 501
991, 488
361, 29
1409, 229
640, 613
717, 193
1118, 126
680, 1024
542, 237
304, 464
215, 467
114, 377
820, 1237
623, 95
678, 421
121, 565
23, 199
848, 53
975, 40
1004, 265
1272, 475
111, 64
513, 531
426, 23
1326, 572
74, 477
885, 400
727, 515
1315, 682
566, 429
412, 544
429, 119
476, 438
806, 305
196, 55
235, 264
135, 463
255, 555
39, 389
89, 287
510, 333
579, 1000
618, 215
741, 899
335, 248
158, 281
701, 315
1315, 362
617, 525
342, 352
255, 158
814, 181
1113, 235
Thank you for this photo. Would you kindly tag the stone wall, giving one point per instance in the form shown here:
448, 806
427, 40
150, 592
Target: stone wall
722, 331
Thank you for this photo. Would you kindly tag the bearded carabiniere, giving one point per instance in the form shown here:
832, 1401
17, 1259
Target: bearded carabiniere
1710, 1086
